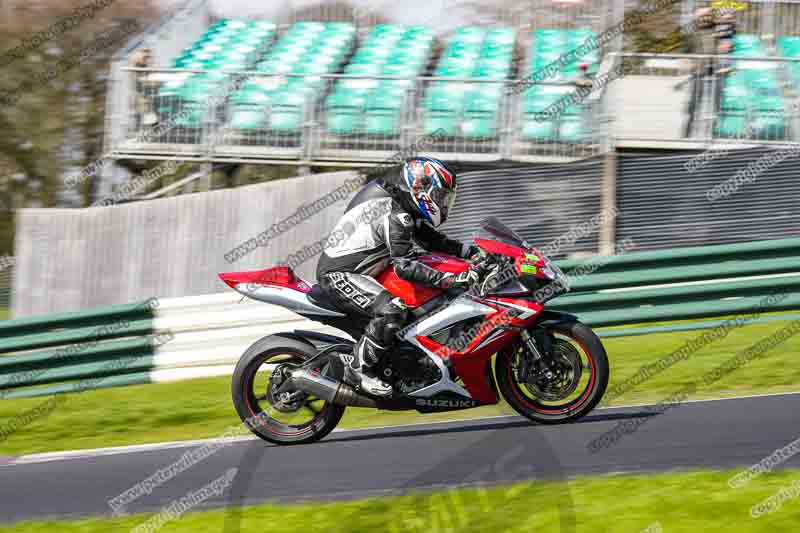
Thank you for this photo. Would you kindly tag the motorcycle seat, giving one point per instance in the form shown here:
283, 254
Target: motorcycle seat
320, 298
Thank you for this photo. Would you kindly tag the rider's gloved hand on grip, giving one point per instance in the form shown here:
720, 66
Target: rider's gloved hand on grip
474, 254
462, 280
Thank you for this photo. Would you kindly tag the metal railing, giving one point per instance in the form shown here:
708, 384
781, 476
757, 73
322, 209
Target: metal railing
254, 116
707, 99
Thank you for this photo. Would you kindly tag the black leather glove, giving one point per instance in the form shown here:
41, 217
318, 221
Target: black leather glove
475, 254
462, 280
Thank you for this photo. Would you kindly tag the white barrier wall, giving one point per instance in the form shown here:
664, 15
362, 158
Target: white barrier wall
212, 332
71, 259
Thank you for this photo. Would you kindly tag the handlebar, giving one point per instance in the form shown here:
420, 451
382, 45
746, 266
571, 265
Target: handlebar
487, 264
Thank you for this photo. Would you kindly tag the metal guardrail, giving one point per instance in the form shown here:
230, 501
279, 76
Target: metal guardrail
124, 345
77, 350
706, 281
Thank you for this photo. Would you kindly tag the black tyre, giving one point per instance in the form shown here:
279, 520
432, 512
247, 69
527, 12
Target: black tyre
300, 422
575, 389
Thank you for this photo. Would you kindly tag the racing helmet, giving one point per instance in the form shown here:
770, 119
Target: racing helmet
431, 186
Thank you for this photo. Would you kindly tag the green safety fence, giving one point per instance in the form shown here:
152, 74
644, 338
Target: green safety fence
715, 281
82, 350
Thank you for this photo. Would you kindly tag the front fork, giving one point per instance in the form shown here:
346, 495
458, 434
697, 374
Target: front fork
534, 361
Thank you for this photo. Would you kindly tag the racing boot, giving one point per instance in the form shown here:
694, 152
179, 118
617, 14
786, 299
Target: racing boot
357, 368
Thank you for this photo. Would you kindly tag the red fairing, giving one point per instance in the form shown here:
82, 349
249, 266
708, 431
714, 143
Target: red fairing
282, 276
472, 363
473, 368
500, 248
536, 307
415, 295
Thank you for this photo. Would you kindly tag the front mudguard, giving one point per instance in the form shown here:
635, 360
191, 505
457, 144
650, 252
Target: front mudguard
546, 320
548, 317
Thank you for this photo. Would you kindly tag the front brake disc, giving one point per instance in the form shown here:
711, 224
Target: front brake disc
567, 370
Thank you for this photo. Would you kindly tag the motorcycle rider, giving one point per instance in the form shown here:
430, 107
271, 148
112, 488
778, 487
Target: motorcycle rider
380, 225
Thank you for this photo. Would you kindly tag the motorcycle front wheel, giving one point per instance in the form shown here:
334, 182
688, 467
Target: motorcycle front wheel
574, 384
268, 414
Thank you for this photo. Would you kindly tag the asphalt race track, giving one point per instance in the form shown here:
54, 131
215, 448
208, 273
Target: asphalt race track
352, 464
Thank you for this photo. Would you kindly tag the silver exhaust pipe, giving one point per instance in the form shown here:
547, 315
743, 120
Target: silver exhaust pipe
328, 389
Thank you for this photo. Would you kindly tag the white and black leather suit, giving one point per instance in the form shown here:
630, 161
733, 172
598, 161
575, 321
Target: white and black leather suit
379, 228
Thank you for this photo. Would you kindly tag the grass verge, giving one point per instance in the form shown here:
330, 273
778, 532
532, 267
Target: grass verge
202, 408
685, 502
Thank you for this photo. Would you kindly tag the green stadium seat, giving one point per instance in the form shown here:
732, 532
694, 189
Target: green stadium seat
342, 97
310, 69
308, 26
386, 101
363, 69
731, 125
761, 79
383, 29
264, 24
454, 71
472, 52
533, 130
494, 91
248, 117
443, 122
397, 88
389, 50
490, 72
769, 125
285, 119
344, 121
543, 37
479, 124
539, 97
768, 100
789, 46
732, 101
403, 71
444, 98
475, 101
193, 64
385, 122
572, 130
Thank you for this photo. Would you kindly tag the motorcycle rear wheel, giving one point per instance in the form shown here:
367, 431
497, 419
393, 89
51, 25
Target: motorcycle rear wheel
574, 342
268, 420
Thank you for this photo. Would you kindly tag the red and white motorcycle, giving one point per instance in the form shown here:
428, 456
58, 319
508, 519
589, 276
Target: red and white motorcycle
549, 367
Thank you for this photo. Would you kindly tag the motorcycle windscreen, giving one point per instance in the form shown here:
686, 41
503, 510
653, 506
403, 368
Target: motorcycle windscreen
493, 229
